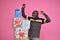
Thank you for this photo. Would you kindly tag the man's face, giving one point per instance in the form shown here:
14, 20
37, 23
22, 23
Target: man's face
35, 15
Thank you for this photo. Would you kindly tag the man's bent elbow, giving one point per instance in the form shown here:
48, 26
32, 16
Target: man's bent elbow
47, 21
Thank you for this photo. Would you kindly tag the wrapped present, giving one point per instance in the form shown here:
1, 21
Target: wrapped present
17, 22
17, 30
25, 24
17, 13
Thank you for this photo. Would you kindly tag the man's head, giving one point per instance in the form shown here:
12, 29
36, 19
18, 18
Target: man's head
35, 14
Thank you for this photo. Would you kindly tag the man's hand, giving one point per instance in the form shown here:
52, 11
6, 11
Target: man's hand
23, 6
42, 12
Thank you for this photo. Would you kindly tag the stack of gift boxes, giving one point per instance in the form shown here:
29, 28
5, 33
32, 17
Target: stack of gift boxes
21, 27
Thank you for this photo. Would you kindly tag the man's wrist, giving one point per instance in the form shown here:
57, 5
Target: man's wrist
23, 8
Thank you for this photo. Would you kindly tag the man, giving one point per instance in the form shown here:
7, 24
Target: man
35, 24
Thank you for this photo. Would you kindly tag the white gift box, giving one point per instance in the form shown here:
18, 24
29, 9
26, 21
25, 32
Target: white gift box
14, 22
25, 24
17, 36
17, 30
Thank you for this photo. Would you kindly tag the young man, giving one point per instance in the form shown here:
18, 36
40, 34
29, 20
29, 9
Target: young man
35, 24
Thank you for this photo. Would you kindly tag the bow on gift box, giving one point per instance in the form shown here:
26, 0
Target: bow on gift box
21, 34
17, 22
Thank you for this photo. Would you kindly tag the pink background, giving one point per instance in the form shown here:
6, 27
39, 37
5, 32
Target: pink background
49, 31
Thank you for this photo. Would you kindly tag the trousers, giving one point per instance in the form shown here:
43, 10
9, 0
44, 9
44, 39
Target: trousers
34, 38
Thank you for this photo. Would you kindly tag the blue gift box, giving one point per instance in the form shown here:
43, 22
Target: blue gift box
17, 13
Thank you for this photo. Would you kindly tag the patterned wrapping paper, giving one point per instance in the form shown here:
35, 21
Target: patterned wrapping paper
17, 25
24, 26
17, 22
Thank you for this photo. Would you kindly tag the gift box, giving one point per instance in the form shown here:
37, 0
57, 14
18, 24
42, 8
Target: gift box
17, 22
17, 30
25, 24
17, 13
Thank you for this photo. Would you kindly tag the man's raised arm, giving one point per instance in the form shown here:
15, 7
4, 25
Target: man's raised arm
22, 10
47, 20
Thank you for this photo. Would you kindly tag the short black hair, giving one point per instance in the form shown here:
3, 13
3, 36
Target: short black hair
35, 11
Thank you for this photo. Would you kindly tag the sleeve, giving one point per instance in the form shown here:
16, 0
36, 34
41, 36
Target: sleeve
47, 20
42, 20
23, 14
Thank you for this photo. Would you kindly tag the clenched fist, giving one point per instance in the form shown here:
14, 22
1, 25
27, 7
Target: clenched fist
23, 6
42, 12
